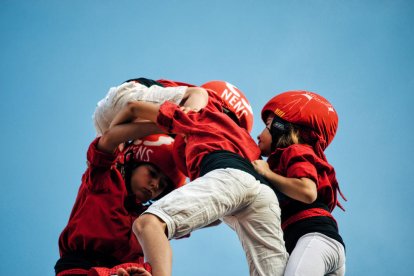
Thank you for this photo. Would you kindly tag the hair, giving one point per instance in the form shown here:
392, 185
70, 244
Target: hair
232, 115
285, 135
291, 137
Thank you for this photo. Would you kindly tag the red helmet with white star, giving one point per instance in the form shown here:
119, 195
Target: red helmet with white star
312, 112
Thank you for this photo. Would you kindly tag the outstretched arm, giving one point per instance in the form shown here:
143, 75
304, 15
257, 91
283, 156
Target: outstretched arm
121, 133
302, 189
135, 109
194, 99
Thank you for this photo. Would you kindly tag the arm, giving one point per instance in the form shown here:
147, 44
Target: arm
301, 189
144, 110
195, 98
120, 133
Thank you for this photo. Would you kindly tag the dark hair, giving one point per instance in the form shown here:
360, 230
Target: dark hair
284, 133
231, 115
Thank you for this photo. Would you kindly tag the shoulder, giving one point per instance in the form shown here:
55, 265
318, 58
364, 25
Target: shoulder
295, 154
299, 149
305, 153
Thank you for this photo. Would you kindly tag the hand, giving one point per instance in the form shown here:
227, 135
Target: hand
187, 109
133, 271
261, 166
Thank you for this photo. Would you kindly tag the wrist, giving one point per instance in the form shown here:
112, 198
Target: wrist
264, 173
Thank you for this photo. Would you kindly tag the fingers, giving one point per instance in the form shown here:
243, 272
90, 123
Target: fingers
141, 272
133, 271
122, 272
138, 271
260, 166
187, 109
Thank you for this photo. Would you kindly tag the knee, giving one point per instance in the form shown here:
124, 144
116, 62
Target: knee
148, 222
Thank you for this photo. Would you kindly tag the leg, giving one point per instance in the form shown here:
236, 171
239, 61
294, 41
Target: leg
150, 231
217, 194
203, 201
316, 254
259, 230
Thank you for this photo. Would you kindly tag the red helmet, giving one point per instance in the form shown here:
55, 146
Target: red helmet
157, 150
234, 100
306, 109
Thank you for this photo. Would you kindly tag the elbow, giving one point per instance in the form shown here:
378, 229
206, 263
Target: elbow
309, 198
106, 143
130, 105
309, 191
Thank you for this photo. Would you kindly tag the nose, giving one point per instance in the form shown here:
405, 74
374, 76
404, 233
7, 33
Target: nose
154, 183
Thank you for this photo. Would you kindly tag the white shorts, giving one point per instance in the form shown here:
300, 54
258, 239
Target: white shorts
118, 97
317, 254
247, 206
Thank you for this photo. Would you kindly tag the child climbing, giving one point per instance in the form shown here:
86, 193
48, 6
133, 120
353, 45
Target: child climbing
218, 152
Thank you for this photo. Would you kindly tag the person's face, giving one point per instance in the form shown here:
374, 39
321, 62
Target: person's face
147, 183
265, 138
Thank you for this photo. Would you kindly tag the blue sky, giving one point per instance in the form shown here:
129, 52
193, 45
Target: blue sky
58, 58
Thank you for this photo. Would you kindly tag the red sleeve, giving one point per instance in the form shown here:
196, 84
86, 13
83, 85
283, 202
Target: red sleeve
179, 154
100, 175
97, 158
173, 120
299, 161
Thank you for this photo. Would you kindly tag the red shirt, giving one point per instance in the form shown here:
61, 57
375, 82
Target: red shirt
206, 131
99, 221
298, 161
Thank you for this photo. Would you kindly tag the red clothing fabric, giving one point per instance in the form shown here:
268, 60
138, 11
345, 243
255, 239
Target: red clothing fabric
171, 83
72, 272
298, 161
103, 271
206, 131
99, 222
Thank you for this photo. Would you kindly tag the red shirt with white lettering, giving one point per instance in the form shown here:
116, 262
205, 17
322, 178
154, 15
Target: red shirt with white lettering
99, 222
206, 131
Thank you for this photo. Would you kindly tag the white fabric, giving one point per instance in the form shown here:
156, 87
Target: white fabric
247, 206
316, 254
118, 97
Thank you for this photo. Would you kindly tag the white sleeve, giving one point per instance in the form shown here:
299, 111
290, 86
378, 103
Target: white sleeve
118, 97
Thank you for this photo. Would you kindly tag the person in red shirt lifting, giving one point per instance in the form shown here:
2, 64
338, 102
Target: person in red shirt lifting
299, 127
217, 151
98, 234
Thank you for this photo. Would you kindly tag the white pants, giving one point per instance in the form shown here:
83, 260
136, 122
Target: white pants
247, 206
118, 97
316, 255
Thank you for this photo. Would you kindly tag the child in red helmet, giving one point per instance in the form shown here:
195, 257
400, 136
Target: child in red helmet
299, 127
98, 235
217, 151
